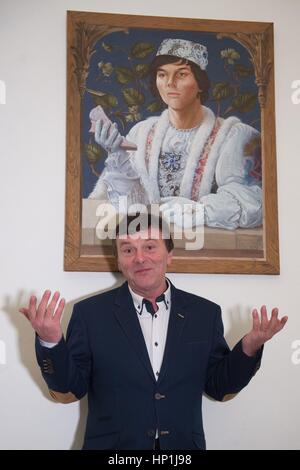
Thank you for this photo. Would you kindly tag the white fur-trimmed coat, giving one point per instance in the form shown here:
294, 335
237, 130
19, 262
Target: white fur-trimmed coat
135, 174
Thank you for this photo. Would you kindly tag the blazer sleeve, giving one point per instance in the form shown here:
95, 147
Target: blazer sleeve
66, 367
228, 371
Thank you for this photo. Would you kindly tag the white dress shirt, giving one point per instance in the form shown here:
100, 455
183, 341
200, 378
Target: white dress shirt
154, 327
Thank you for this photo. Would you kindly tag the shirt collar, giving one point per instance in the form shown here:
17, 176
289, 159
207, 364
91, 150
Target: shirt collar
138, 299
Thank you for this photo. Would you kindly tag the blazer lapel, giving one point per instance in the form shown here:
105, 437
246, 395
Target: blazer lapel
177, 320
127, 317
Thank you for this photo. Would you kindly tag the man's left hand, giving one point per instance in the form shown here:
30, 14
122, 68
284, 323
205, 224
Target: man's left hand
263, 329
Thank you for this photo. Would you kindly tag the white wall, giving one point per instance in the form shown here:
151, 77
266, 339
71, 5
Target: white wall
266, 414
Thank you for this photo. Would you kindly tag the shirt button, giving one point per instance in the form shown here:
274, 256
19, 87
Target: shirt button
156, 344
157, 373
155, 316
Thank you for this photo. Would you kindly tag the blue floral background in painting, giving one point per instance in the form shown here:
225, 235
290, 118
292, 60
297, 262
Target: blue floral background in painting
118, 80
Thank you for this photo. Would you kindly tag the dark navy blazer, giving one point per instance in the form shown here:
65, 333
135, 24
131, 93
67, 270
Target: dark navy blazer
105, 355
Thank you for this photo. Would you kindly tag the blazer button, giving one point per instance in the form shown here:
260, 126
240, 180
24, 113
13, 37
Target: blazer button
151, 433
158, 396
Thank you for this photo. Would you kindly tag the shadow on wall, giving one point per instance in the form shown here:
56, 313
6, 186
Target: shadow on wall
239, 323
26, 348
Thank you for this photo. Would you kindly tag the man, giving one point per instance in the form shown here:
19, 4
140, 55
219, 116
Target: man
144, 352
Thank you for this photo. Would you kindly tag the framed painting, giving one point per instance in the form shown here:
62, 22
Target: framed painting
179, 113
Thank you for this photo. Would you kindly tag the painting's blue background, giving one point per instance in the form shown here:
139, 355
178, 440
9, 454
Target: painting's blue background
215, 70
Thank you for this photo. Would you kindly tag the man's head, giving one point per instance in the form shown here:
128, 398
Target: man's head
143, 253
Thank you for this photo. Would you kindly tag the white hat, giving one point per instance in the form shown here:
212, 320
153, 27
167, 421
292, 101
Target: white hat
185, 49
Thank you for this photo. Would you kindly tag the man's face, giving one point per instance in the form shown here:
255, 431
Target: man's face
177, 85
143, 259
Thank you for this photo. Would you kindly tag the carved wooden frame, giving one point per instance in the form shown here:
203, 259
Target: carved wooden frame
84, 30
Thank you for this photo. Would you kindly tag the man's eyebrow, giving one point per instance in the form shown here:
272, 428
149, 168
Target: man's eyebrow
128, 242
123, 242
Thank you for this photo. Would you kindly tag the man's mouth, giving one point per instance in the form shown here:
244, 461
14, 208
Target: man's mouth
143, 270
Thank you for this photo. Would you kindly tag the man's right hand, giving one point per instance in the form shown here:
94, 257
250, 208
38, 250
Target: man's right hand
45, 319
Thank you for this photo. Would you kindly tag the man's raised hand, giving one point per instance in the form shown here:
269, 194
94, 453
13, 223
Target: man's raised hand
45, 318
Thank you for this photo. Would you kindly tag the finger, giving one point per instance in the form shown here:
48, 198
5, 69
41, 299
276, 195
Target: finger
264, 318
112, 137
32, 311
256, 322
24, 312
104, 133
274, 318
283, 321
118, 141
52, 305
98, 127
41, 310
59, 310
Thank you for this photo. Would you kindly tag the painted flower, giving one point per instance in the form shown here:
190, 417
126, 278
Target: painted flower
230, 54
133, 115
106, 68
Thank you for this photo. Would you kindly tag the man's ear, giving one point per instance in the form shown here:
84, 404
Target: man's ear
170, 257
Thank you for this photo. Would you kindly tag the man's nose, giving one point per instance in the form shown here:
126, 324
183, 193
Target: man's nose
139, 256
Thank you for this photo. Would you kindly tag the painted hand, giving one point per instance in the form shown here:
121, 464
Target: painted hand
107, 135
182, 211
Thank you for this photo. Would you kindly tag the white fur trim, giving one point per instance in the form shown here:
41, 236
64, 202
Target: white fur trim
196, 150
149, 183
209, 171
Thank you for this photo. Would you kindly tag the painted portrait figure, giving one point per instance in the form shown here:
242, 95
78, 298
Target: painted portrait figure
187, 154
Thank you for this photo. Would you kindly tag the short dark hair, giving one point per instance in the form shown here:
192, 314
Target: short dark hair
200, 75
148, 220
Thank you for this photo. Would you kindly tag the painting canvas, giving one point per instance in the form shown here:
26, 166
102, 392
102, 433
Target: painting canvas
217, 159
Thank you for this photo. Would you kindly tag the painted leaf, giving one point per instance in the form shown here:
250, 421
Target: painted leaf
107, 47
243, 71
142, 70
92, 152
124, 75
244, 102
95, 92
222, 90
106, 101
133, 97
154, 107
142, 49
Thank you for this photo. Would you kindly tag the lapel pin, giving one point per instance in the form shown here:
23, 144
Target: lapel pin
180, 315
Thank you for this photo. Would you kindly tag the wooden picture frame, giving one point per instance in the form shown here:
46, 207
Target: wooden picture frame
243, 250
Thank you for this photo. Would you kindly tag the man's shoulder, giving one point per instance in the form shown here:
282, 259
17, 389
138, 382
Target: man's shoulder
98, 299
194, 299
